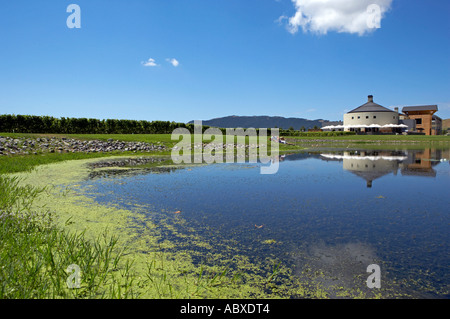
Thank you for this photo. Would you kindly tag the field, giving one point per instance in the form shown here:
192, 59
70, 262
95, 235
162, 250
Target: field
382, 138
12, 164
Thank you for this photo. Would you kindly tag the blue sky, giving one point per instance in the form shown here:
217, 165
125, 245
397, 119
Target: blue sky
235, 57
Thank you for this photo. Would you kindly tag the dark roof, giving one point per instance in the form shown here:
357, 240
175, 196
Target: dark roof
372, 175
427, 172
370, 107
420, 108
436, 117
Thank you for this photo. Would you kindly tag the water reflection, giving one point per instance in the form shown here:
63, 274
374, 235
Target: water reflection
367, 164
372, 164
128, 166
336, 265
313, 214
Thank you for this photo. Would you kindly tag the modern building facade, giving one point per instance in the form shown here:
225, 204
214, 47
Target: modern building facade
374, 164
426, 121
372, 118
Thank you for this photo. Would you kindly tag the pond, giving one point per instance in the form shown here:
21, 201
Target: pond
327, 215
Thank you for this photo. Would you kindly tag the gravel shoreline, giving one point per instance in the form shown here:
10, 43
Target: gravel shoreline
27, 146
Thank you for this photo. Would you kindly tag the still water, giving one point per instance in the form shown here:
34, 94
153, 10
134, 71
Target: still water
334, 212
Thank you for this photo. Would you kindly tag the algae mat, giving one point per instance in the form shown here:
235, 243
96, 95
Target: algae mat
174, 257
159, 269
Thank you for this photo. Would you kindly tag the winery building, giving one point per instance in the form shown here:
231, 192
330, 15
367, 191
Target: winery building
373, 118
425, 119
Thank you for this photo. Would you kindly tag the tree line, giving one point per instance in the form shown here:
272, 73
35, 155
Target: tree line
67, 125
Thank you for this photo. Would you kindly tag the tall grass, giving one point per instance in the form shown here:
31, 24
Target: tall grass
24, 163
13, 196
35, 254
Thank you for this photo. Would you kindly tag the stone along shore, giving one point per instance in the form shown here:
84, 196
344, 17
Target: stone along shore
27, 146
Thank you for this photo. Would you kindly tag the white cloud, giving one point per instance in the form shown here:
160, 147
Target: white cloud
149, 62
173, 61
349, 16
281, 19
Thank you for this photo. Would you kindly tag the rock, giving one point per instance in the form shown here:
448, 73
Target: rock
23, 146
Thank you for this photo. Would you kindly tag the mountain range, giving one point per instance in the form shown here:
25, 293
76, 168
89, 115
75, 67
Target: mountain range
446, 124
234, 121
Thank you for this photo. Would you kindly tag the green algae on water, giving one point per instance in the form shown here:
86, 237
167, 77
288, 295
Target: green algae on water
171, 257
161, 271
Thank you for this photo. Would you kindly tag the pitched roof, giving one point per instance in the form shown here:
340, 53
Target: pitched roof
370, 107
430, 172
420, 108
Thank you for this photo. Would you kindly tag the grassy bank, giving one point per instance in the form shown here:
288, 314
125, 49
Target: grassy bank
166, 139
382, 138
35, 254
43, 251
380, 142
18, 163
149, 268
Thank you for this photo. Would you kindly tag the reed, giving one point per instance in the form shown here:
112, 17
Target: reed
35, 254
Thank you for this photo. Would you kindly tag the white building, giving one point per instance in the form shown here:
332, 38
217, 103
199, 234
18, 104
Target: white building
370, 118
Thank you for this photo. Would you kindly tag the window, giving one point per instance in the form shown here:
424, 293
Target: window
359, 117
367, 117
419, 121
374, 116
353, 117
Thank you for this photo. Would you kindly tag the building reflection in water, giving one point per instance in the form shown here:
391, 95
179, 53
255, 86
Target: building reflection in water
371, 165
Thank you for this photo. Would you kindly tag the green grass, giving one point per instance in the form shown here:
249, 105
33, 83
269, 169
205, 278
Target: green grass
148, 138
23, 163
165, 139
35, 254
384, 138
12, 164
20, 163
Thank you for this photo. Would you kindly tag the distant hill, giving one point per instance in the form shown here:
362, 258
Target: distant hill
234, 121
446, 124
